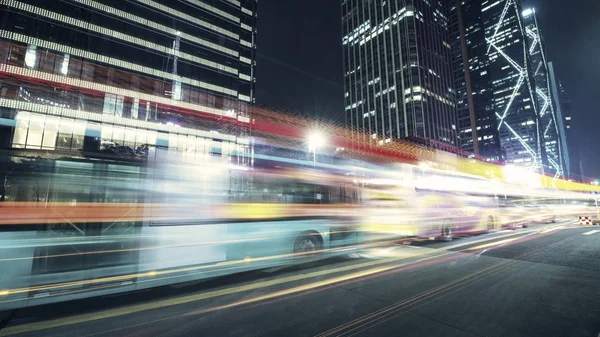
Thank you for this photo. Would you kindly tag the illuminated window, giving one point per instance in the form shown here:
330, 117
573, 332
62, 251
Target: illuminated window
64, 68
31, 57
22, 125
110, 102
130, 138
78, 135
36, 131
65, 134
50, 133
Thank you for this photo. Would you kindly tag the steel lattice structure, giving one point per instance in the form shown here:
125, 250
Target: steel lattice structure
547, 112
518, 115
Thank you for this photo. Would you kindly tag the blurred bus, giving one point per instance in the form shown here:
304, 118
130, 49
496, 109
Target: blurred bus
94, 225
81, 227
413, 201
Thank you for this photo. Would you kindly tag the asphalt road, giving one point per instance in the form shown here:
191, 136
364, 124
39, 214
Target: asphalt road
540, 281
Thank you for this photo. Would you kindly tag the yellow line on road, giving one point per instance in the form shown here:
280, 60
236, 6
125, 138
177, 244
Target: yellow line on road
76, 319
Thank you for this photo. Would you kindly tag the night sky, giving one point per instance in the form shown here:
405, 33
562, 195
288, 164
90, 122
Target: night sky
299, 64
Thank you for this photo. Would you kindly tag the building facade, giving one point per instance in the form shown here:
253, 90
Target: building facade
545, 105
512, 84
77, 76
564, 116
508, 90
477, 122
397, 74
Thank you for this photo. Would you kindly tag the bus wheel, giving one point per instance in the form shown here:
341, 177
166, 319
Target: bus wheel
309, 242
447, 233
490, 223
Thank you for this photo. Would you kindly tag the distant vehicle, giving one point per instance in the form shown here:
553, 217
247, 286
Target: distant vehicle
412, 201
513, 216
541, 214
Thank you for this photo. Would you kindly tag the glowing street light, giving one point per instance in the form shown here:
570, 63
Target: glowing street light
315, 141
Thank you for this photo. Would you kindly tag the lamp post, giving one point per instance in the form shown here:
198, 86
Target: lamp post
315, 140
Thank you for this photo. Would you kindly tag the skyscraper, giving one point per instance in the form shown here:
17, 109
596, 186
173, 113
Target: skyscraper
545, 105
78, 74
477, 123
397, 74
492, 38
565, 126
512, 84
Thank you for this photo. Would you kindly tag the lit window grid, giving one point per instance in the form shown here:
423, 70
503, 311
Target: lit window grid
514, 136
244, 98
190, 18
362, 35
215, 10
246, 11
148, 23
246, 27
118, 35
106, 119
360, 101
5, 68
245, 60
112, 61
46, 132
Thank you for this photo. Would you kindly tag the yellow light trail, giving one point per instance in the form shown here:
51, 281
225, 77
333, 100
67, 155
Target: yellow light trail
228, 291
6, 292
153, 274
368, 321
191, 298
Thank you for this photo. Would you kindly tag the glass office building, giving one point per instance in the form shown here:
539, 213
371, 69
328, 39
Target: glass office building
543, 94
513, 84
76, 75
502, 110
397, 74
477, 123
564, 116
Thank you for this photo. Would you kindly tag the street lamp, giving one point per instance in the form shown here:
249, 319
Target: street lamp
315, 141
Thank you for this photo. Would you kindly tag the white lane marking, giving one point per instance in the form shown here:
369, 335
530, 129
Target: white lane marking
551, 229
505, 233
591, 232
502, 231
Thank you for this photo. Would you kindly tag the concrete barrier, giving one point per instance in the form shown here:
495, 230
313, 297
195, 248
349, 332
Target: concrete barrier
588, 221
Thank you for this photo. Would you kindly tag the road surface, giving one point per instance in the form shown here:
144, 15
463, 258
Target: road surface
539, 281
